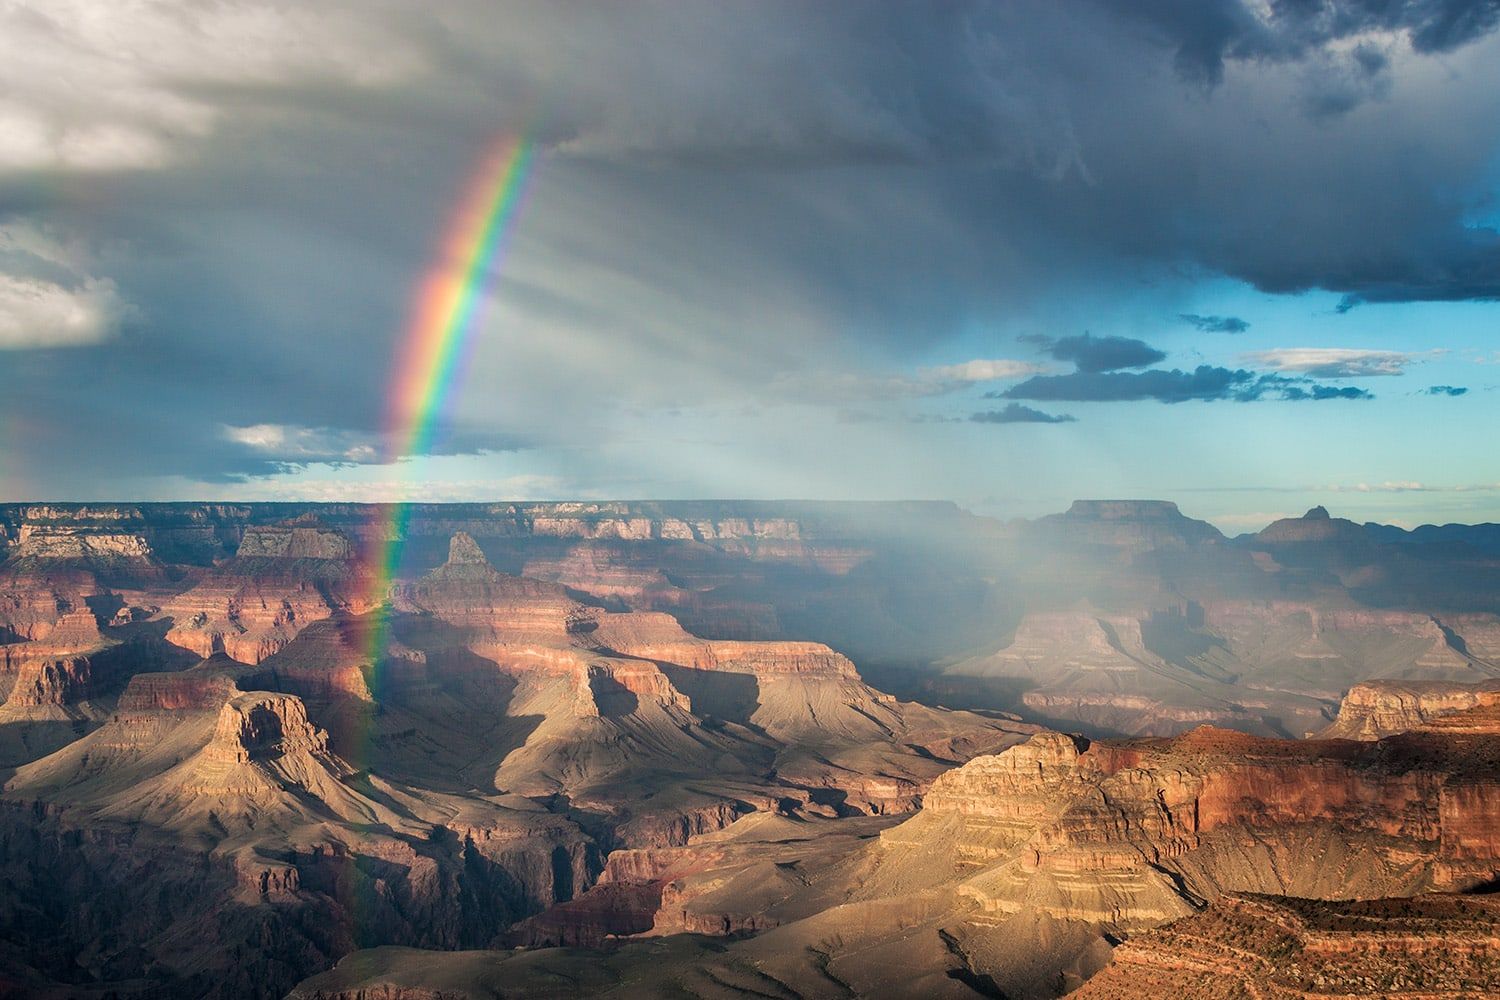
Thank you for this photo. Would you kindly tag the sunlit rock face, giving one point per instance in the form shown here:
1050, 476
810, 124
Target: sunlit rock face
1426, 947
571, 723
1214, 864
1375, 709
1130, 833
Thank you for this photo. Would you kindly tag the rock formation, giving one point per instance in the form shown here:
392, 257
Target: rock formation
663, 730
1428, 947
280, 580
435, 772
1262, 633
1376, 709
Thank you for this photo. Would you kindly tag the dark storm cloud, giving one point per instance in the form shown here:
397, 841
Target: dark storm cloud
1321, 392
1015, 413
1208, 33
1214, 324
1205, 383
1447, 390
724, 192
1099, 354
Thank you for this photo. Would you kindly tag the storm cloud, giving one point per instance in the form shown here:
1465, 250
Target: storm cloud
1206, 383
1015, 413
228, 209
1215, 324
1100, 354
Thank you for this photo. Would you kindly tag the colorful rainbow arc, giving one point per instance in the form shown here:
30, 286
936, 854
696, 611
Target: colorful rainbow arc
429, 364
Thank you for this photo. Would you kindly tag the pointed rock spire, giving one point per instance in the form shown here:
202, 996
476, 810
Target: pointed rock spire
464, 551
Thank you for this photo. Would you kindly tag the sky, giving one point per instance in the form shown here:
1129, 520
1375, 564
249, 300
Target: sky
1240, 254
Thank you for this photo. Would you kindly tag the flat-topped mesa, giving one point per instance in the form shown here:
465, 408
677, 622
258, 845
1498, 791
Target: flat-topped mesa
72, 631
1143, 511
325, 662
500, 611
658, 636
590, 522
295, 542
183, 691
257, 764
1082, 640
245, 620
152, 707
1129, 524
1376, 709
79, 544
604, 570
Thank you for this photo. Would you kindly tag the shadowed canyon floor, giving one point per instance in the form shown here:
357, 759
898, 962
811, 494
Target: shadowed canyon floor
636, 749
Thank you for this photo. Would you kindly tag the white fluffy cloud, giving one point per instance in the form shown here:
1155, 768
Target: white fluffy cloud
45, 298
299, 445
1335, 362
120, 84
983, 370
36, 313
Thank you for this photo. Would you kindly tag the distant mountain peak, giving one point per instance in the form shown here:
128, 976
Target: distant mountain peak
1124, 510
1318, 513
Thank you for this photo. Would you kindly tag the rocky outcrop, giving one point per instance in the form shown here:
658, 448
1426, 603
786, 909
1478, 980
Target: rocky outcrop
284, 579
74, 663
70, 631
295, 542
605, 911
656, 636
496, 610
1376, 709
1127, 834
46, 681
34, 606
1427, 947
223, 818
260, 726
69, 544
186, 691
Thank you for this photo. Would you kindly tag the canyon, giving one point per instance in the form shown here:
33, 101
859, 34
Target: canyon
1213, 863
739, 748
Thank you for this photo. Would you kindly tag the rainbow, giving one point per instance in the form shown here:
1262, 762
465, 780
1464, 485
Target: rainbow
431, 355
